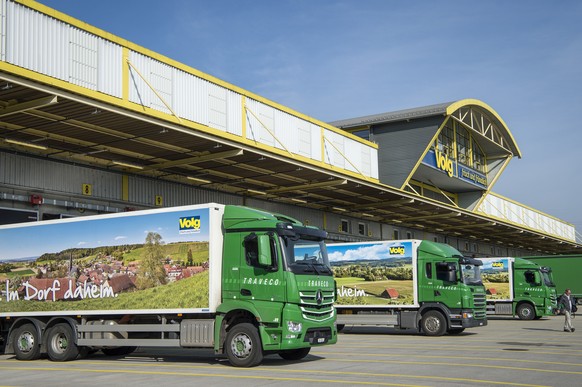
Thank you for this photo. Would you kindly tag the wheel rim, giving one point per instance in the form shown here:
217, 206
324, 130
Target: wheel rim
433, 324
59, 343
526, 312
26, 342
241, 346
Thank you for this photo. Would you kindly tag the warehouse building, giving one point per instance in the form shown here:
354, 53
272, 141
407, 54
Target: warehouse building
91, 123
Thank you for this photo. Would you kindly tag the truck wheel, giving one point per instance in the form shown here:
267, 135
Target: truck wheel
26, 342
433, 323
526, 312
243, 346
61, 343
295, 354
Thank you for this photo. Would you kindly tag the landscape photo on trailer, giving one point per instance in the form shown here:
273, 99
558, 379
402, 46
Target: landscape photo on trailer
495, 274
142, 260
373, 273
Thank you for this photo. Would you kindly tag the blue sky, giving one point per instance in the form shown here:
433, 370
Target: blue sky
341, 59
35, 239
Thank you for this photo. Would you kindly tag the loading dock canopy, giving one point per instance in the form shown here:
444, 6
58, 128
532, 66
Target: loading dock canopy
87, 132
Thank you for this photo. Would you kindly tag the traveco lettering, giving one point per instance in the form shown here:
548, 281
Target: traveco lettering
443, 162
318, 283
190, 224
397, 250
497, 264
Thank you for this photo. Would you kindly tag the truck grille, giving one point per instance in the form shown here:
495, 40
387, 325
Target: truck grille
314, 311
480, 302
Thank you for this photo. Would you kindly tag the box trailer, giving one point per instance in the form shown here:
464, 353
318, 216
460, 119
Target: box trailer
241, 281
410, 284
517, 286
566, 272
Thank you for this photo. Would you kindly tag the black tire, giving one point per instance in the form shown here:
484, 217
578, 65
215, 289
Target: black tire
295, 354
243, 346
433, 323
118, 351
455, 331
26, 342
526, 312
61, 343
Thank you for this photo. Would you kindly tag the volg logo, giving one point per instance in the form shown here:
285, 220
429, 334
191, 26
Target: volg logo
443, 162
497, 264
397, 250
190, 224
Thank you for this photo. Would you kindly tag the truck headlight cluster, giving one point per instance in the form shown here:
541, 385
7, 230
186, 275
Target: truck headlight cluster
467, 315
294, 327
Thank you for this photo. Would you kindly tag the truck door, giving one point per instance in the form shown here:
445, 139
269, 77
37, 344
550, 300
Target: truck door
261, 277
442, 284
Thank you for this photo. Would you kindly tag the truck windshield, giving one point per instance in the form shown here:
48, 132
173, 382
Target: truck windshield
307, 257
471, 274
547, 278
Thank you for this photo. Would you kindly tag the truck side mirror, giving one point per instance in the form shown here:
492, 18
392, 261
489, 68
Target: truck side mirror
446, 272
265, 251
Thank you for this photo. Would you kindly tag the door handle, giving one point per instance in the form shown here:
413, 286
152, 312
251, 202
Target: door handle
245, 292
437, 293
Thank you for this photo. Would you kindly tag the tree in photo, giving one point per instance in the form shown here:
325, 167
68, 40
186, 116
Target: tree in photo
151, 270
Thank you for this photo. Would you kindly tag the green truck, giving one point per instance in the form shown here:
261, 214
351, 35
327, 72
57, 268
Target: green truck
243, 282
408, 284
566, 272
518, 287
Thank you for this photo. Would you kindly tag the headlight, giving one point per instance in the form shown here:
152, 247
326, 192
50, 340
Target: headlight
467, 315
294, 327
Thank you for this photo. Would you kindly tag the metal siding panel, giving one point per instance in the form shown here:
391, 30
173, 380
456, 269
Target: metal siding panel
191, 95
143, 191
84, 60
235, 117
110, 78
217, 107
3, 18
315, 141
139, 91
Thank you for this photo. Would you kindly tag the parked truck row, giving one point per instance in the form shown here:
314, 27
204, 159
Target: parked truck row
243, 282
240, 281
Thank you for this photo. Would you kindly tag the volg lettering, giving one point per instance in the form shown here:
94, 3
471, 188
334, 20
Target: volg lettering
397, 250
190, 224
443, 162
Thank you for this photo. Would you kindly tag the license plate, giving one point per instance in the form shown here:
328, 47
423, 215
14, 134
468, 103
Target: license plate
321, 340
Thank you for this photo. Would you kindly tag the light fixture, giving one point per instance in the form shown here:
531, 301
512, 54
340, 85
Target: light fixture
197, 180
367, 215
256, 192
339, 209
24, 143
396, 221
128, 165
298, 200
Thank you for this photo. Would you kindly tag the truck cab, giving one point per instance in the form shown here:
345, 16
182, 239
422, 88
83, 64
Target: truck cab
450, 285
534, 292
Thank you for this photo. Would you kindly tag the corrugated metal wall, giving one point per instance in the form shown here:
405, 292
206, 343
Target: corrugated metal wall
46, 45
53, 176
501, 208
